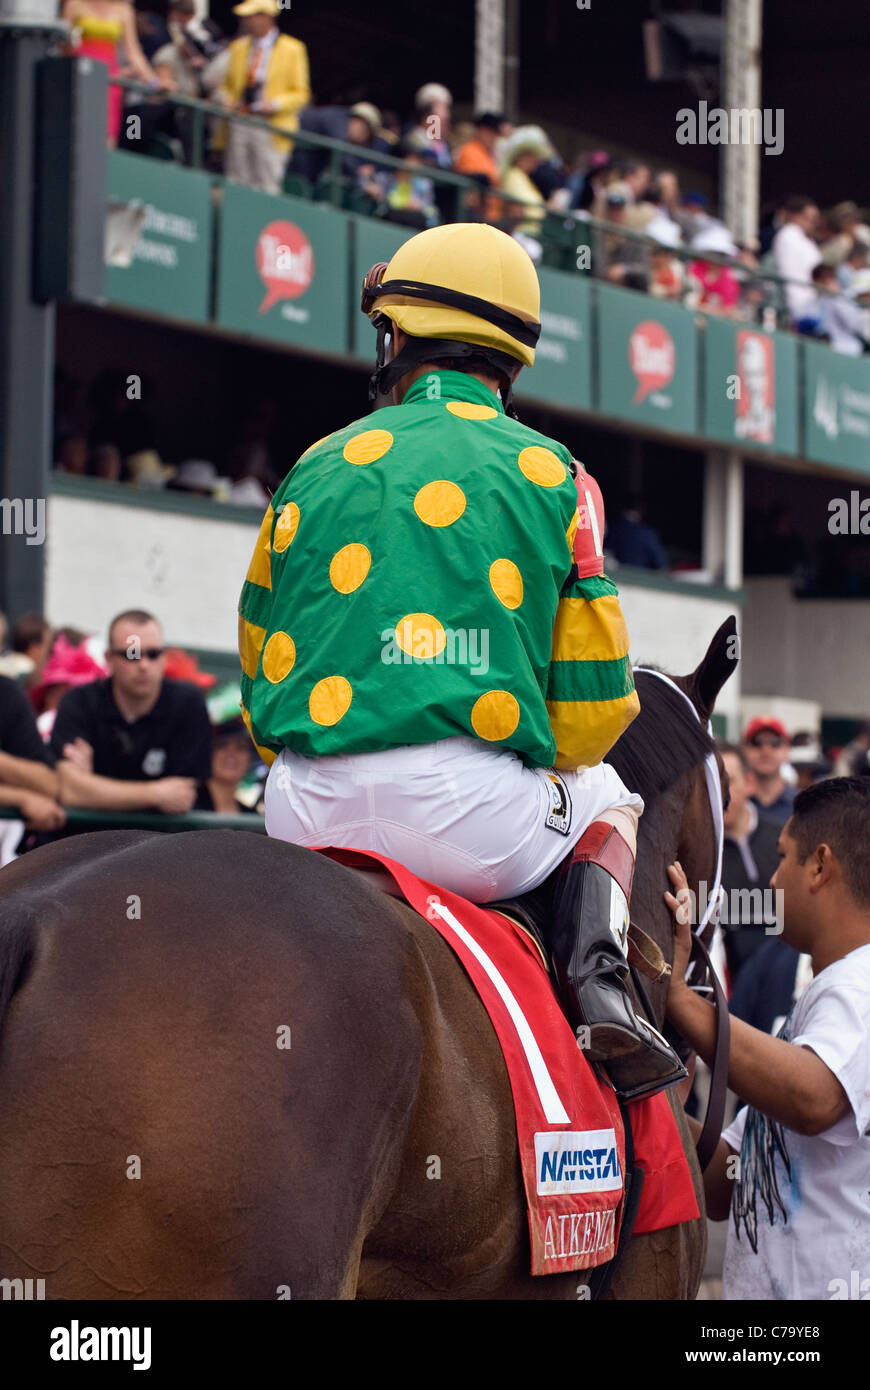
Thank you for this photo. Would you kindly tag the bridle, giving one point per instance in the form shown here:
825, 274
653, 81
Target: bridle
701, 966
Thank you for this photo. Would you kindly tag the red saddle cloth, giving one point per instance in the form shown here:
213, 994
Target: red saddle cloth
569, 1128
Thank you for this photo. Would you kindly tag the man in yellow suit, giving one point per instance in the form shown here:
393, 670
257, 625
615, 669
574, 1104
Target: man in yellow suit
267, 76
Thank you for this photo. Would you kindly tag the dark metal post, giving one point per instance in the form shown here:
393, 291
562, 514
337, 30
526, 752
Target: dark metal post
27, 28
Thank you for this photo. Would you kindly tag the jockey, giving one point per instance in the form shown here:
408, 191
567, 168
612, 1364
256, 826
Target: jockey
434, 664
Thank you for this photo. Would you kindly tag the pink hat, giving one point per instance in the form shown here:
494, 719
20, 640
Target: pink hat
67, 665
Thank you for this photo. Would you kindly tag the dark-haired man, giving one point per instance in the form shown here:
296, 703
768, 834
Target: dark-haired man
135, 741
799, 1194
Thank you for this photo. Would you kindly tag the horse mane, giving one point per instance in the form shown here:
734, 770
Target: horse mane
664, 741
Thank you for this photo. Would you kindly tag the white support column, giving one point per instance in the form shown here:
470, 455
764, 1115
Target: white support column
733, 529
722, 540
713, 536
741, 91
489, 51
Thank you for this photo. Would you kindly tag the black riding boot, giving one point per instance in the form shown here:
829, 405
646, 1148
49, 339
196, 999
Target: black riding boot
588, 943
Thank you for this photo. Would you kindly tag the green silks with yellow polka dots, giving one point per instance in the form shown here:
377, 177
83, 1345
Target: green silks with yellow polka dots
412, 581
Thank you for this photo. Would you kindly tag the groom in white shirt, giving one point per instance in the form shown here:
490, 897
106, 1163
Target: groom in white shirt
792, 1173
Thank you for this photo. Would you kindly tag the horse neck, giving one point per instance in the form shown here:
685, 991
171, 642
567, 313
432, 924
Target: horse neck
678, 825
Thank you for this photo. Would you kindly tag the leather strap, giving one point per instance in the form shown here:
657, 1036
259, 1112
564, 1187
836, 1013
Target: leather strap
645, 954
711, 1130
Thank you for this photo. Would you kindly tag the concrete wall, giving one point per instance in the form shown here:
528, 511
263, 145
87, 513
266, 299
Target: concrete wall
107, 555
187, 570
673, 630
808, 649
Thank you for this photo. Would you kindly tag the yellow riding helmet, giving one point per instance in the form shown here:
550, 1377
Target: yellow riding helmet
462, 259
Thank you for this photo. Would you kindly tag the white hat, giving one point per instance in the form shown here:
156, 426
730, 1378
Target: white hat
716, 238
369, 113
198, 475
147, 469
526, 139
429, 92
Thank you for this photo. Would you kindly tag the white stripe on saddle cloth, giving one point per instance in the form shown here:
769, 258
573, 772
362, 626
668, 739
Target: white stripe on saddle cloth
554, 1110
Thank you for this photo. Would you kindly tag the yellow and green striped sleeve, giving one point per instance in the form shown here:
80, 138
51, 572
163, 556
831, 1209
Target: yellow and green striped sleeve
591, 697
255, 605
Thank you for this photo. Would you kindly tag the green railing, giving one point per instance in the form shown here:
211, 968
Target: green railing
563, 235
86, 819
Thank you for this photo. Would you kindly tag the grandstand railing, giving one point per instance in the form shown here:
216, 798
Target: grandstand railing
562, 234
86, 819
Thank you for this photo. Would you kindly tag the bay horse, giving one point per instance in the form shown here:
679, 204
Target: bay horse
231, 1069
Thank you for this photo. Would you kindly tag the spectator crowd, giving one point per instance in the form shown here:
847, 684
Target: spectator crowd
645, 232
124, 729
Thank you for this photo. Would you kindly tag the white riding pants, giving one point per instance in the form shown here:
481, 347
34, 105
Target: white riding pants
473, 819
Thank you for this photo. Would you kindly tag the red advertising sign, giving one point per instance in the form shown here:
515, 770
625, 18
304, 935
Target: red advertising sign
652, 356
285, 262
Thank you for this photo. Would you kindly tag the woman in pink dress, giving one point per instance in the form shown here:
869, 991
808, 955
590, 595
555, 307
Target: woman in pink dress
98, 26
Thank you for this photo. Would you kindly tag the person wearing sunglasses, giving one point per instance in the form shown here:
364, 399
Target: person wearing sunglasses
135, 741
767, 745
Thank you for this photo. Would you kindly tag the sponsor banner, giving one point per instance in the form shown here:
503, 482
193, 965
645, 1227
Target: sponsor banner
159, 242
373, 241
563, 358
647, 360
836, 407
282, 270
577, 1161
750, 386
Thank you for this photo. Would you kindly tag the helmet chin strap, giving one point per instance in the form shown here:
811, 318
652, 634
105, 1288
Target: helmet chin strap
418, 350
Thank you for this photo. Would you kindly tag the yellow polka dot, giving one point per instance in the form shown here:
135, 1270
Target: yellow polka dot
506, 582
285, 527
468, 410
419, 634
349, 567
495, 715
541, 466
368, 447
440, 503
279, 655
572, 531
330, 700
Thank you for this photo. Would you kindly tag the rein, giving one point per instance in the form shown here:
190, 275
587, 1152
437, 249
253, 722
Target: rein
702, 967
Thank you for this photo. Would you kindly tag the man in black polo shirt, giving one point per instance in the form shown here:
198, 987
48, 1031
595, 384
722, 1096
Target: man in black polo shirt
27, 776
133, 742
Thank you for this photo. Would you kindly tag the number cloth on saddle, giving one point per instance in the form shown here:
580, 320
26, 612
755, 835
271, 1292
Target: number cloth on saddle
413, 581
